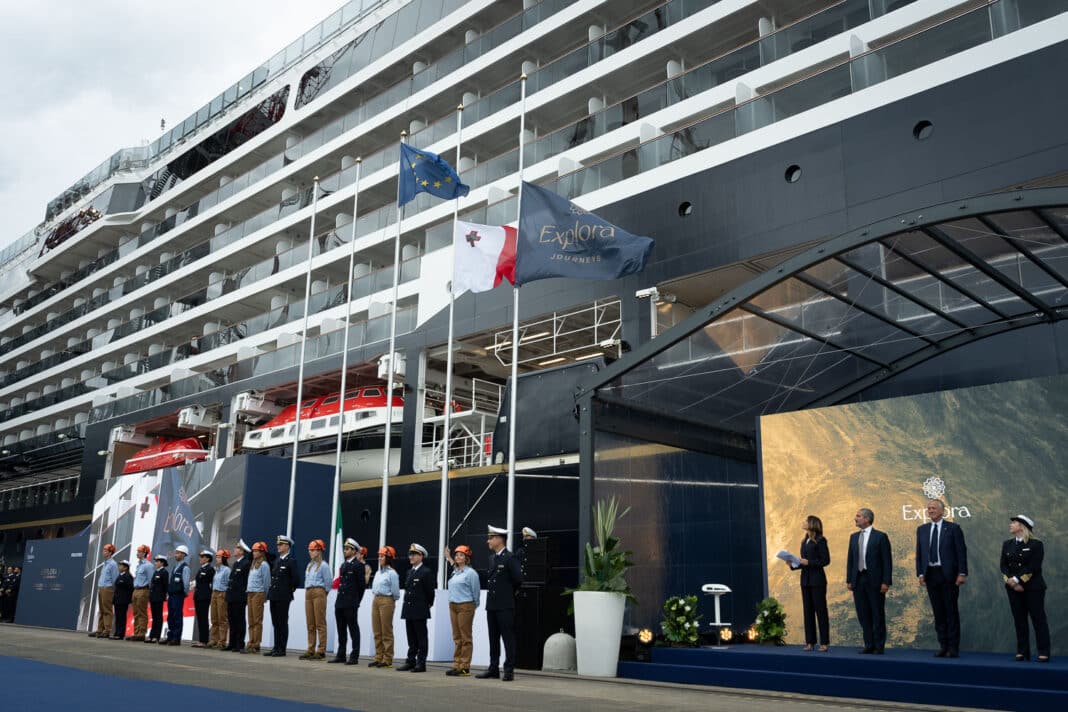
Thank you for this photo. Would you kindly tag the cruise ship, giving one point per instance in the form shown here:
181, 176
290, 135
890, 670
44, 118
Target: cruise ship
163, 296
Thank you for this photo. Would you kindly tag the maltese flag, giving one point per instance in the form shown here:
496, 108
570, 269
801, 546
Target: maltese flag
483, 256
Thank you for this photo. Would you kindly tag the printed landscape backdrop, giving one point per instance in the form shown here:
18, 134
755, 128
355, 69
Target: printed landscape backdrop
995, 450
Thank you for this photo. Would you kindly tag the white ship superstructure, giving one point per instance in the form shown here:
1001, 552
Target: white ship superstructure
179, 268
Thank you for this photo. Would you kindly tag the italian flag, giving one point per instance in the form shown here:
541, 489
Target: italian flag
484, 255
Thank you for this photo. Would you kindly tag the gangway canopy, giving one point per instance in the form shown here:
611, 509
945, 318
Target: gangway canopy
853, 311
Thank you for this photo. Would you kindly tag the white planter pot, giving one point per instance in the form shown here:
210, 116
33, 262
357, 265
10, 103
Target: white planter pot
598, 629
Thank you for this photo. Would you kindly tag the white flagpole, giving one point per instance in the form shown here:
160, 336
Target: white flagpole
443, 510
514, 397
389, 381
335, 550
300, 369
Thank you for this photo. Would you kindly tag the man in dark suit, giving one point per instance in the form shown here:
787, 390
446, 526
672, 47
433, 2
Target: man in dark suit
869, 575
505, 576
418, 600
942, 566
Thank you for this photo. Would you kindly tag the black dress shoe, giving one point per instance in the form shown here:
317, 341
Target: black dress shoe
405, 667
941, 653
507, 677
452, 673
879, 651
953, 654
1020, 658
488, 674
374, 664
866, 651
353, 659
270, 653
419, 668
337, 659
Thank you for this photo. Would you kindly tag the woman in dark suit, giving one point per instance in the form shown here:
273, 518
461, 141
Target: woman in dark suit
814, 556
1021, 567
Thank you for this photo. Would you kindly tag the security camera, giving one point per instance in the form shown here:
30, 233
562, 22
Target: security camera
650, 293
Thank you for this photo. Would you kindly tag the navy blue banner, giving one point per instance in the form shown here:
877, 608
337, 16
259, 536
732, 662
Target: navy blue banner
559, 239
174, 521
426, 172
52, 573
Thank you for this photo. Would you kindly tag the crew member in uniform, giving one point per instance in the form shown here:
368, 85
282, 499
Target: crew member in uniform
123, 595
464, 593
202, 594
259, 581
237, 596
1021, 567
157, 594
504, 577
285, 579
142, 577
351, 584
418, 600
176, 593
220, 619
385, 590
105, 593
529, 535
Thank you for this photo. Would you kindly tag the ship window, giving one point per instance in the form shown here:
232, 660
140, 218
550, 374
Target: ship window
330, 401
318, 424
308, 403
793, 173
255, 436
277, 432
922, 130
371, 392
291, 429
334, 419
352, 394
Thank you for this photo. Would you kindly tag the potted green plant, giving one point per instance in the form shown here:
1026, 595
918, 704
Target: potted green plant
681, 621
600, 599
770, 622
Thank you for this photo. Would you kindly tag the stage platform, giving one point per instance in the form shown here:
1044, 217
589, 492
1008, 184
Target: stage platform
983, 680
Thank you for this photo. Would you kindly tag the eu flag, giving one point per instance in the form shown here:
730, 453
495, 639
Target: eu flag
423, 171
559, 239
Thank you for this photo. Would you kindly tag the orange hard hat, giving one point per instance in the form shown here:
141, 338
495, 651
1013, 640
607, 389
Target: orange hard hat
363, 551
388, 551
260, 546
465, 550
316, 544
223, 553
144, 548
109, 547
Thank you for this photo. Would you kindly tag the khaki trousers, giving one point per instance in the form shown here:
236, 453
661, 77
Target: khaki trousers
382, 624
105, 617
462, 616
315, 615
140, 610
255, 619
220, 623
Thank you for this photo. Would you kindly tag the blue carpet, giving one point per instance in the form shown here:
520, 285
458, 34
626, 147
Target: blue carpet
977, 679
31, 685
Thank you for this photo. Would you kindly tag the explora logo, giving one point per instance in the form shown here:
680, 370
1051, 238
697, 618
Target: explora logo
933, 488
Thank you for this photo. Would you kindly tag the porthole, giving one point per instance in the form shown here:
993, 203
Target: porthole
922, 130
685, 208
793, 174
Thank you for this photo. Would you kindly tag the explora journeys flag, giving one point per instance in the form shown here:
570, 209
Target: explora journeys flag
174, 518
483, 256
559, 239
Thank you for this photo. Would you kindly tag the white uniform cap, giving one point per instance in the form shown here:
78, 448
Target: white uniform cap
497, 531
182, 548
282, 538
353, 543
1026, 521
527, 531
209, 553
242, 545
160, 557
125, 562
416, 549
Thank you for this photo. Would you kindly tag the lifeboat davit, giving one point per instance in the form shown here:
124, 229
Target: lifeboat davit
166, 453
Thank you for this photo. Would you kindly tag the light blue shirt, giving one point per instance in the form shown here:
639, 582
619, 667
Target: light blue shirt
463, 586
259, 580
386, 583
313, 577
143, 574
108, 574
222, 578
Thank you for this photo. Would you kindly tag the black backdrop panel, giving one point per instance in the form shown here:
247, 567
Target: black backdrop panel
52, 581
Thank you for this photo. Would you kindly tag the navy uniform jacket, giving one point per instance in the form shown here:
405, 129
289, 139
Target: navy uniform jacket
157, 587
123, 590
952, 552
504, 577
818, 556
205, 575
418, 594
351, 584
285, 579
1024, 561
880, 564
237, 592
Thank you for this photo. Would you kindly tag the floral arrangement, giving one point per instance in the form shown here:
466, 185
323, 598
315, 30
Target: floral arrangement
770, 622
681, 620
